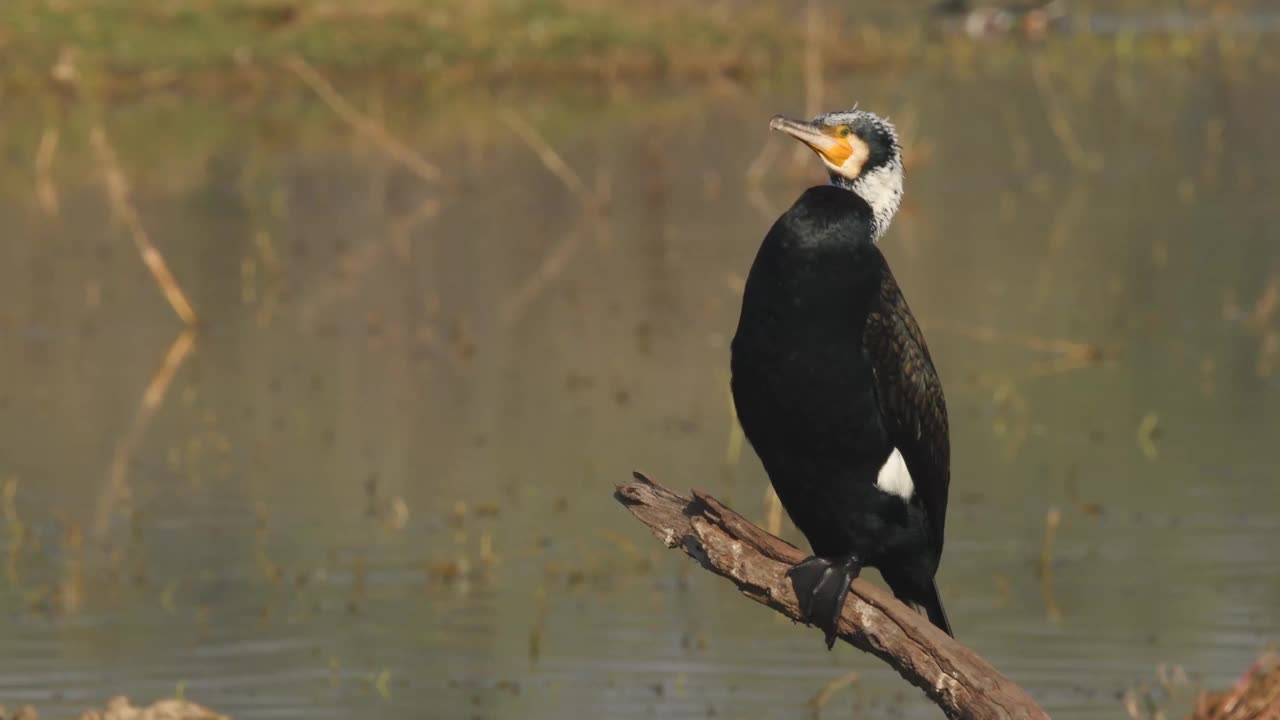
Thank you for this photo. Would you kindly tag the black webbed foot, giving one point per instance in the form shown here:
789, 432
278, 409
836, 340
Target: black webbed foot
821, 586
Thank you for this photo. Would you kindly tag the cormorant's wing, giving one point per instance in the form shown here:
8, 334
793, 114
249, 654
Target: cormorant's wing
910, 396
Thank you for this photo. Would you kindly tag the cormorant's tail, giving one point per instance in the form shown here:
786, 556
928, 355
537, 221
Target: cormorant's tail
930, 604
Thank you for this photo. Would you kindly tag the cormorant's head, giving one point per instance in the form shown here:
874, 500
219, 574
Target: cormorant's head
861, 151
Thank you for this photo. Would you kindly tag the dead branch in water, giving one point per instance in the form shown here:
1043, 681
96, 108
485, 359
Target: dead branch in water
118, 192
117, 487
954, 677
369, 128
553, 161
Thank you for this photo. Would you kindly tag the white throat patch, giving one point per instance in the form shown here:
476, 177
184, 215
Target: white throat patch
882, 189
894, 478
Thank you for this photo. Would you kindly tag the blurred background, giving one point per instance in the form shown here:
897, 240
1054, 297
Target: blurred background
327, 328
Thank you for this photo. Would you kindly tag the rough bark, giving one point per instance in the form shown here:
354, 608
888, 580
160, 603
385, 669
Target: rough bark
958, 680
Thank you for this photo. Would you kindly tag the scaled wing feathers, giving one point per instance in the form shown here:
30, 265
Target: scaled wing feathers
911, 399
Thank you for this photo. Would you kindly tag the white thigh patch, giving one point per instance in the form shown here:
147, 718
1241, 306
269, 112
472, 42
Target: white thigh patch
894, 477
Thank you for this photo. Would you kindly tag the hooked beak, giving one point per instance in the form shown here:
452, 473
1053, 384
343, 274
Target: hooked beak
830, 148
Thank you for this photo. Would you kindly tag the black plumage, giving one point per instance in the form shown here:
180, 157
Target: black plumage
831, 375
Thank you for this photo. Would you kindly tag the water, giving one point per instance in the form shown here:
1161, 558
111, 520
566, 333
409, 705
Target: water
493, 367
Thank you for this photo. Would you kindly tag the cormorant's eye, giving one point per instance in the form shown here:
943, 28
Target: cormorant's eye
844, 132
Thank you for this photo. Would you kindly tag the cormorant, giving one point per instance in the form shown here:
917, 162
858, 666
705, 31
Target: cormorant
833, 384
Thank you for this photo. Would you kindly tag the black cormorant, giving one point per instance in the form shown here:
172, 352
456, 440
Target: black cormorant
834, 386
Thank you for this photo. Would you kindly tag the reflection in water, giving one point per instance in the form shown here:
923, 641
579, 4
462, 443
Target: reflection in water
380, 481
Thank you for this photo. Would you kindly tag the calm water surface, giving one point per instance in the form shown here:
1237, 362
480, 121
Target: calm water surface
379, 482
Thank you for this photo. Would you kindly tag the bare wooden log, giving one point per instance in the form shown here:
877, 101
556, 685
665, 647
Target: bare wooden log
958, 680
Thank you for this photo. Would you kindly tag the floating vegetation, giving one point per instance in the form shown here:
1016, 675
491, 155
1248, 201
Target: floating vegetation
381, 684
829, 691
1148, 433
1052, 521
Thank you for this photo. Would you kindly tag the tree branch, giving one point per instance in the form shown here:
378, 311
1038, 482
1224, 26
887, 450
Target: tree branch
956, 678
